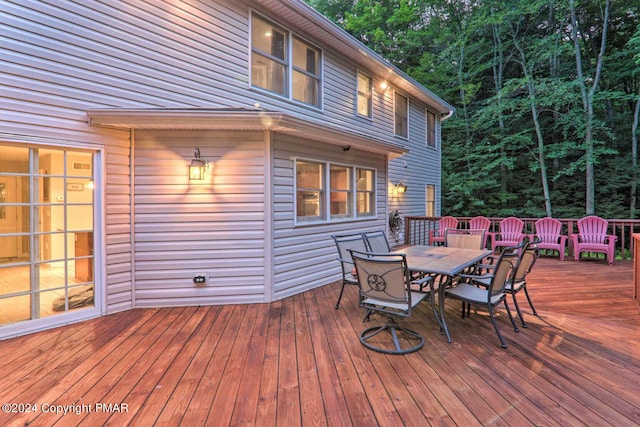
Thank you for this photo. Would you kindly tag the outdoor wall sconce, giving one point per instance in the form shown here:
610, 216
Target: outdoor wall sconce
384, 85
197, 167
401, 188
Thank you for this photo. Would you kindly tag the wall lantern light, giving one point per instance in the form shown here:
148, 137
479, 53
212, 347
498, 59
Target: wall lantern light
401, 188
197, 167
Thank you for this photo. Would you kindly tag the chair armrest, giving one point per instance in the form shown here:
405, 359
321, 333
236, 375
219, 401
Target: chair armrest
422, 281
476, 276
345, 261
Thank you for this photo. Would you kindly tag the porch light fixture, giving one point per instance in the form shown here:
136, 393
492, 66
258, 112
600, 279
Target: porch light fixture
401, 188
197, 167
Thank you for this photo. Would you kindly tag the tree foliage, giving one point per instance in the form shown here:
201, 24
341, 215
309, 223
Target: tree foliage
536, 119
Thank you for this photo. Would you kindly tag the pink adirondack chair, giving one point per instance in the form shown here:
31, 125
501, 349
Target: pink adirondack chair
437, 235
592, 237
549, 235
481, 223
510, 233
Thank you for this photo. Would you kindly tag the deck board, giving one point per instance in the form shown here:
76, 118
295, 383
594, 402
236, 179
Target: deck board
299, 362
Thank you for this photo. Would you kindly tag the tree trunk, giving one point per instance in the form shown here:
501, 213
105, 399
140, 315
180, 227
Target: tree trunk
587, 101
498, 78
536, 123
634, 158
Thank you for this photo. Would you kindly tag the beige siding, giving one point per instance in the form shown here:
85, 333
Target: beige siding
184, 228
421, 166
305, 256
60, 58
119, 285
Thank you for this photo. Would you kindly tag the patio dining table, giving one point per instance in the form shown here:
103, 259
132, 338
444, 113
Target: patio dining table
444, 262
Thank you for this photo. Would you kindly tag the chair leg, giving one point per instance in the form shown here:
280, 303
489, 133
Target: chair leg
495, 326
393, 329
513, 322
340, 296
515, 302
529, 300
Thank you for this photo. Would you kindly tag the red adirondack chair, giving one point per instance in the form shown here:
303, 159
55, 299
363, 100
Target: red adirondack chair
437, 235
481, 223
510, 233
549, 235
592, 237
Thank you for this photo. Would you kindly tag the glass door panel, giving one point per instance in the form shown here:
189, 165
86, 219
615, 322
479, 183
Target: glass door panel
46, 232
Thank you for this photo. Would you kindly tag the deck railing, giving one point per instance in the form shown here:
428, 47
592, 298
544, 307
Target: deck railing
416, 230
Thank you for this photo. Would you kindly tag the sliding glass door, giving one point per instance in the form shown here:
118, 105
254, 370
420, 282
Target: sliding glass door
46, 232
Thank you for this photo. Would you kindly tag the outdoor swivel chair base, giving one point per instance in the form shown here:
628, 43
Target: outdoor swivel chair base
413, 339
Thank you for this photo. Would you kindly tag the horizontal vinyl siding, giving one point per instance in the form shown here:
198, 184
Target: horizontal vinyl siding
340, 102
416, 169
160, 54
117, 213
305, 255
215, 227
60, 58
73, 56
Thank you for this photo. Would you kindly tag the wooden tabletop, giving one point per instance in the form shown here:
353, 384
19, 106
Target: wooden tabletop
441, 259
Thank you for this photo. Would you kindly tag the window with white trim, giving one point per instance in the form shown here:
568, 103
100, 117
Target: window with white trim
351, 191
431, 200
431, 129
47, 227
365, 192
401, 114
310, 192
284, 64
365, 95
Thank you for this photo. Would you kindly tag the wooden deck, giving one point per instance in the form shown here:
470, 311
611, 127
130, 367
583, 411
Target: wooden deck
299, 362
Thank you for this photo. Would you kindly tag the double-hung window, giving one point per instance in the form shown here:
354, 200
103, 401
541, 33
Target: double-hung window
431, 200
401, 114
365, 95
431, 129
306, 73
365, 192
284, 64
310, 190
333, 192
341, 196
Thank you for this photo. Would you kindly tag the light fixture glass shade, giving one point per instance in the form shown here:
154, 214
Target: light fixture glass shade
196, 170
401, 188
197, 167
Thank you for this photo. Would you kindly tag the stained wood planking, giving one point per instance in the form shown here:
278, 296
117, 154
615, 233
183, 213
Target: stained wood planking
298, 361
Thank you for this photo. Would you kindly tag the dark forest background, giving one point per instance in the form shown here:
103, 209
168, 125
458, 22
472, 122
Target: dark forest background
547, 94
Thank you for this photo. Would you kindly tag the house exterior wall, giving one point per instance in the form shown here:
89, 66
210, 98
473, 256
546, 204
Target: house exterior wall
214, 228
420, 167
61, 58
304, 256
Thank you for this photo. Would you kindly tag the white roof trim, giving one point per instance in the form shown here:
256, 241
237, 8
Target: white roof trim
238, 120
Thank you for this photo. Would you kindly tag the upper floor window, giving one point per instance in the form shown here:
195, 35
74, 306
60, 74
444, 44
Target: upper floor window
364, 104
431, 129
401, 113
306, 73
284, 64
351, 191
